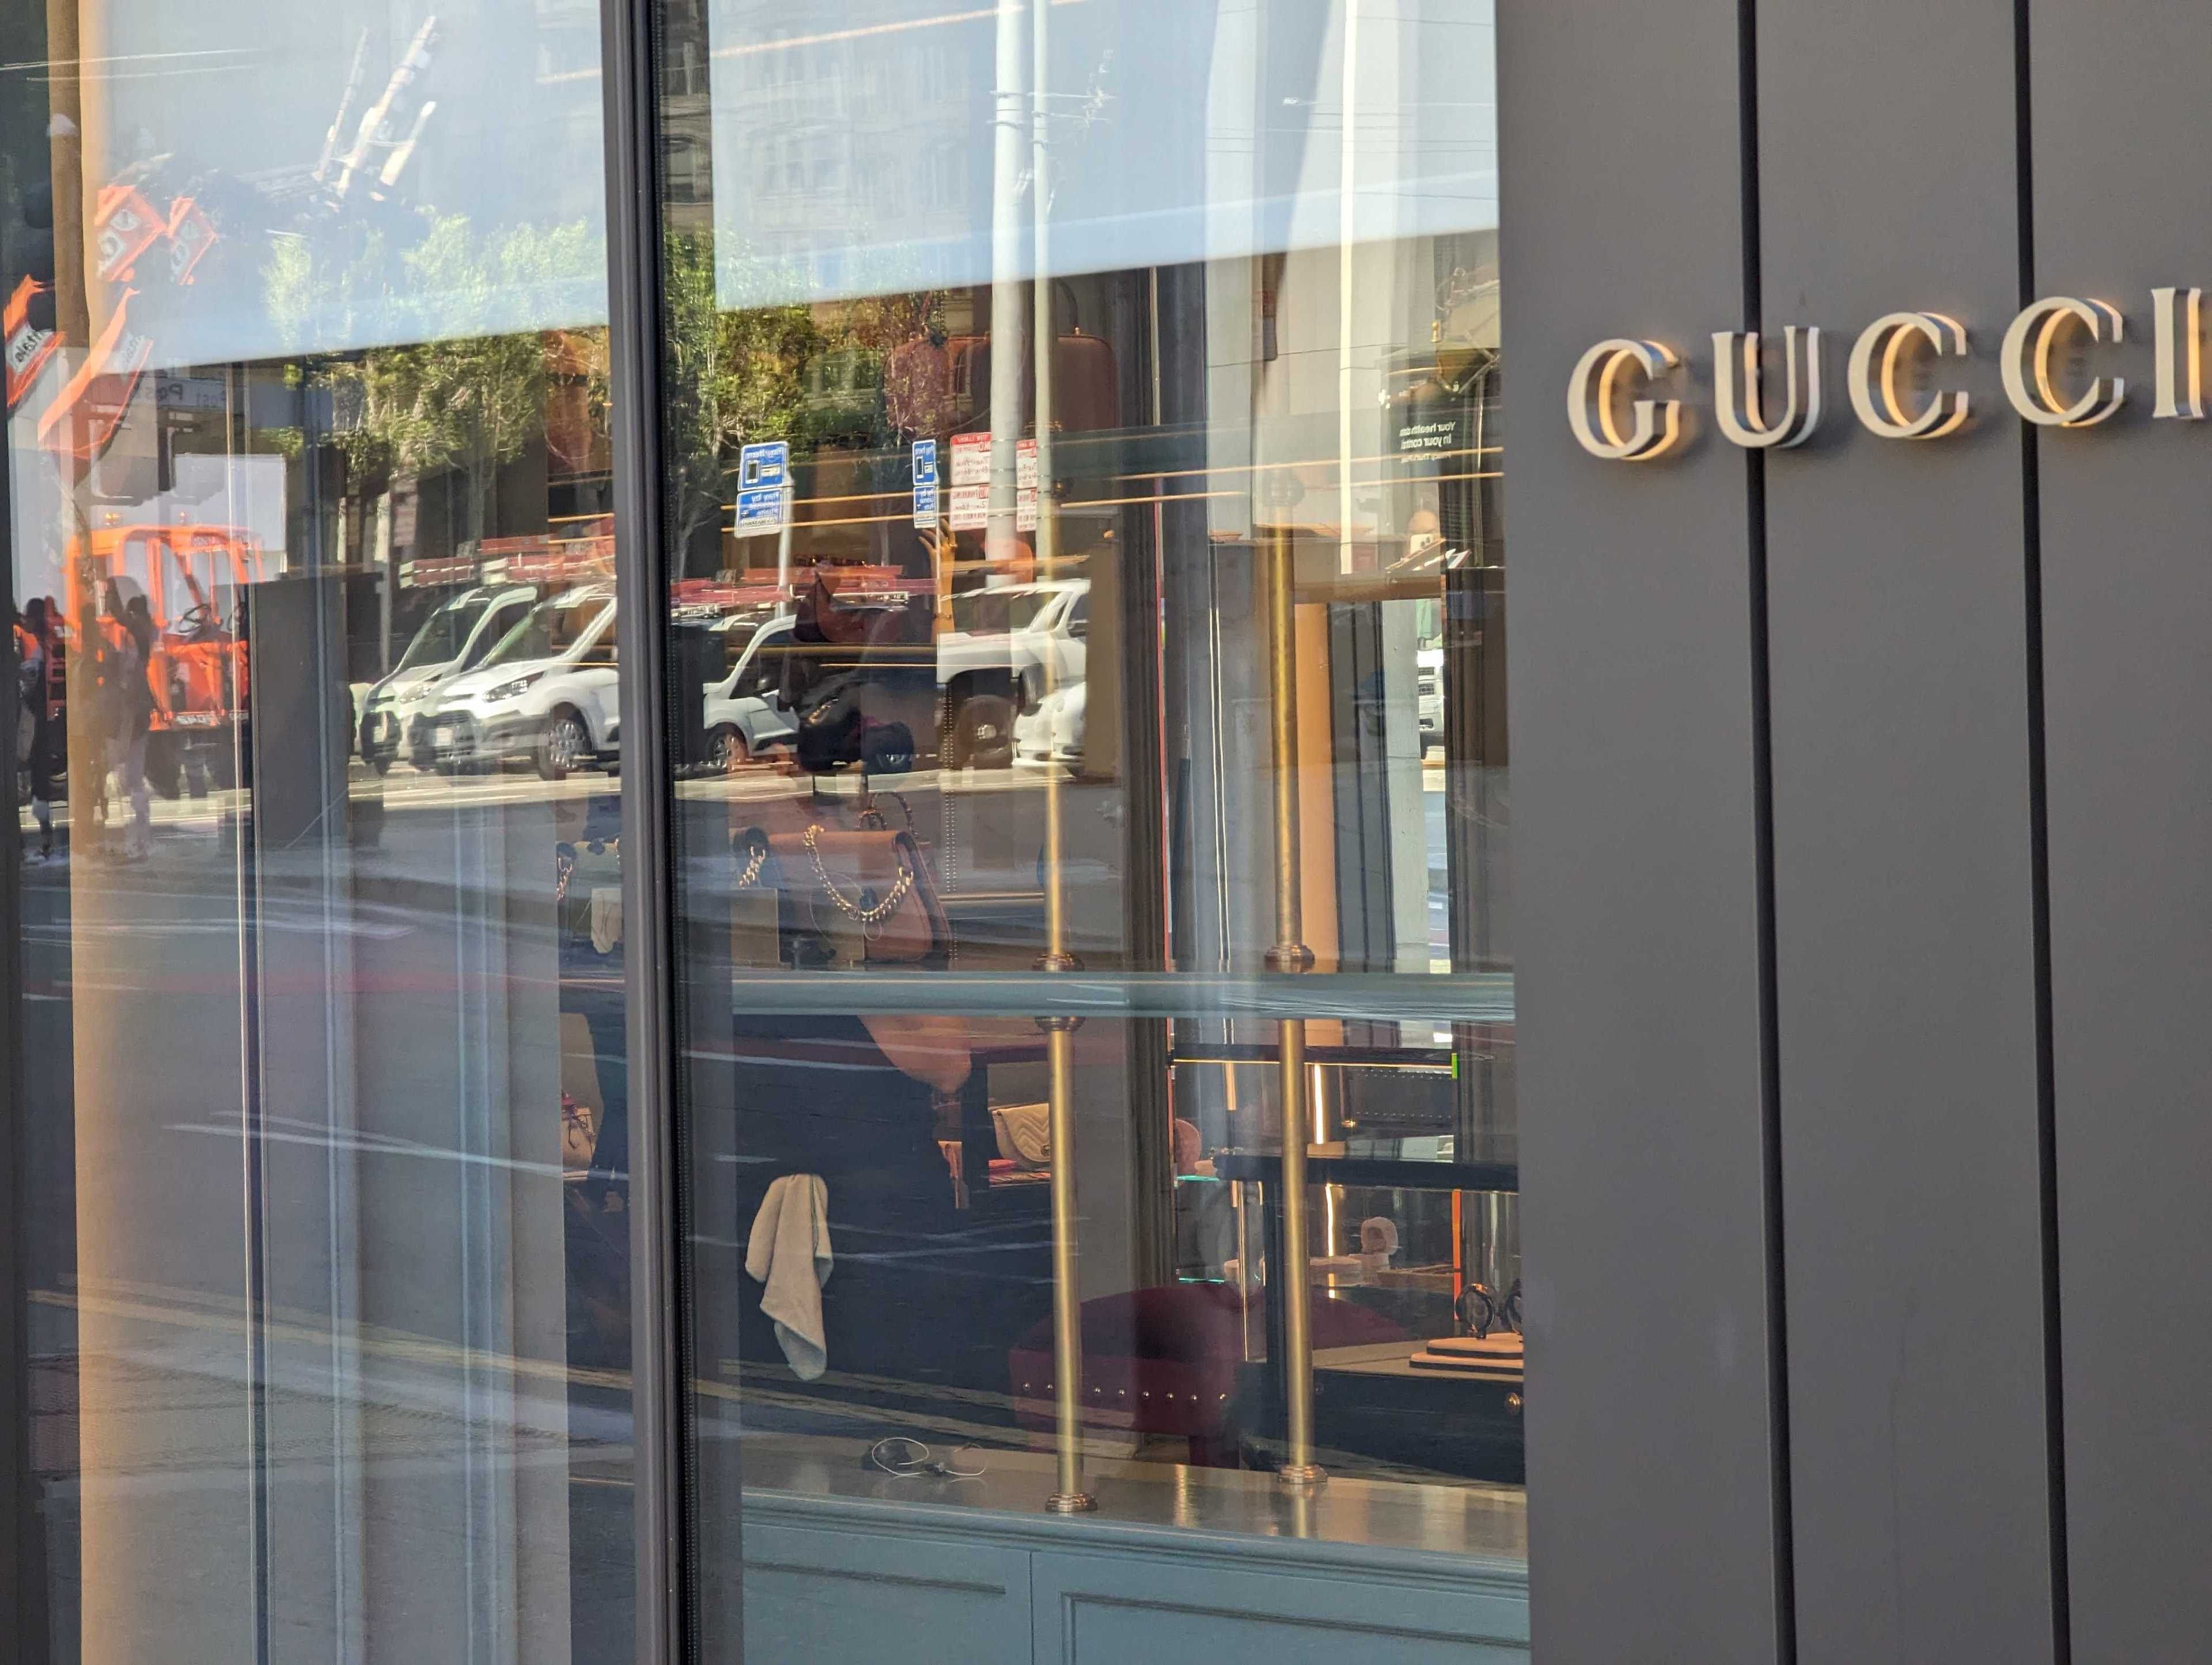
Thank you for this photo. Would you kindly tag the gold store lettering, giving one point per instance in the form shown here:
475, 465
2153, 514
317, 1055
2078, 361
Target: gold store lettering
1627, 373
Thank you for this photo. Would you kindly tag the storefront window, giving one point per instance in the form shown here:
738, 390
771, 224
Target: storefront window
1098, 1086
316, 1000
1081, 509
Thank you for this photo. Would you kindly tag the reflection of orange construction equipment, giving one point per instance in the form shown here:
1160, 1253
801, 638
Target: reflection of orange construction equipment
80, 422
198, 669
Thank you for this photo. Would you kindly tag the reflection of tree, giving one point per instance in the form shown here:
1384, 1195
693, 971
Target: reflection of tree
455, 390
733, 379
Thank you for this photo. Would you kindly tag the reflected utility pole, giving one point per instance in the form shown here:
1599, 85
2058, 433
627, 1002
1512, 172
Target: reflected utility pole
1043, 333
1010, 117
1348, 195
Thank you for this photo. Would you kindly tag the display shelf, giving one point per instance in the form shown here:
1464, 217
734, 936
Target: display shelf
1403, 1174
1377, 997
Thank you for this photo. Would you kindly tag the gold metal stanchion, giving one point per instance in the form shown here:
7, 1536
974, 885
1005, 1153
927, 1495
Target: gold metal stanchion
1068, 1497
1290, 953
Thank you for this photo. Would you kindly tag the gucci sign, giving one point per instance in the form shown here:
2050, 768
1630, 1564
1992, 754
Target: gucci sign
1616, 406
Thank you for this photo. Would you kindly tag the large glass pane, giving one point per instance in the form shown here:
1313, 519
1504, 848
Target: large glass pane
320, 1079
1087, 626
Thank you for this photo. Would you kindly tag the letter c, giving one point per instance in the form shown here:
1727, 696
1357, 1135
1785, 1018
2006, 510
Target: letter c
1657, 426
1946, 412
2037, 330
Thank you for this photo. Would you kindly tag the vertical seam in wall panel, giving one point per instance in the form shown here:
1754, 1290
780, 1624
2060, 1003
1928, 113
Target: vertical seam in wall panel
2046, 1114
1780, 1506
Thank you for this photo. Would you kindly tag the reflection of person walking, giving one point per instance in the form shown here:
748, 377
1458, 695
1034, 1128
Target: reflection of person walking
34, 752
133, 719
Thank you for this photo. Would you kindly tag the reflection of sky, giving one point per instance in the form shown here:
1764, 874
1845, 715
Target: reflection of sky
239, 96
852, 139
851, 142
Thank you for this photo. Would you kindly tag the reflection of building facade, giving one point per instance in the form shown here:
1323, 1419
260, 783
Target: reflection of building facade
861, 136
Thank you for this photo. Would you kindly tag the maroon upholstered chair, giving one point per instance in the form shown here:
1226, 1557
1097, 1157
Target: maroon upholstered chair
1164, 1361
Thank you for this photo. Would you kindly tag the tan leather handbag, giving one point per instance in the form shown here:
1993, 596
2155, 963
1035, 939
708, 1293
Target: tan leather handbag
828, 898
866, 896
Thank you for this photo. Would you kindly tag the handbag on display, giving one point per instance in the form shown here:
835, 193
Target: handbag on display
863, 898
587, 895
1086, 383
756, 901
826, 898
579, 1136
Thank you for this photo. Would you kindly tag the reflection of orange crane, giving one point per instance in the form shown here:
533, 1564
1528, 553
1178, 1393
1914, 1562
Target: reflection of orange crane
153, 224
197, 670
85, 413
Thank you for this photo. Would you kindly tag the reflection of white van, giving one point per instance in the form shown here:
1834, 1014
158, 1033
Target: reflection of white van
547, 691
454, 638
1053, 733
1006, 647
1429, 673
745, 712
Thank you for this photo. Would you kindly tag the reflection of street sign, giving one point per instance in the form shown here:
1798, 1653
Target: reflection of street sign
764, 477
971, 459
971, 482
1026, 486
925, 483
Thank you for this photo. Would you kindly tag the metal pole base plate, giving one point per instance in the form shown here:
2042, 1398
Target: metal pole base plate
1070, 1502
1302, 1474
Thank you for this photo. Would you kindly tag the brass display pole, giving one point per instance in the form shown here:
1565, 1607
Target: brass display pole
1068, 1497
1290, 953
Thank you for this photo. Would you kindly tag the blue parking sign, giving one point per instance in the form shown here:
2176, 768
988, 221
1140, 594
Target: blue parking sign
764, 477
925, 484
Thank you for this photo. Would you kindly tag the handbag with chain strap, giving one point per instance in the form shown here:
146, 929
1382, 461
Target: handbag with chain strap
862, 898
833, 899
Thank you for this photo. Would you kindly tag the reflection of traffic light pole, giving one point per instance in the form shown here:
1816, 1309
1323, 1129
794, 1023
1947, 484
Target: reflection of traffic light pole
65, 139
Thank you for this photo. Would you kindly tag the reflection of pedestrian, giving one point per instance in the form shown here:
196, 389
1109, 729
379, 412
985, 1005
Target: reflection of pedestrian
132, 717
35, 748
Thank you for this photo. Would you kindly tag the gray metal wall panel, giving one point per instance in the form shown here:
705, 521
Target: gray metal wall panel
2123, 203
1632, 717
1903, 884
